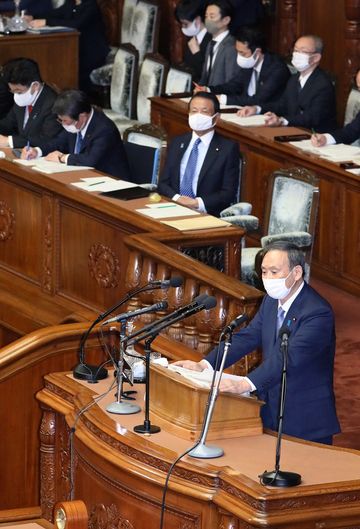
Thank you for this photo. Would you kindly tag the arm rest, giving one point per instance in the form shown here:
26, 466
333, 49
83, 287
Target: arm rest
248, 222
301, 238
241, 208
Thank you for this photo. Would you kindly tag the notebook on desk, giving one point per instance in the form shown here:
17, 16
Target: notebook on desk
129, 193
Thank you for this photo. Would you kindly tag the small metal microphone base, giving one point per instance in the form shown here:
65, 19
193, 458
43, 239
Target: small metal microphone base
146, 428
123, 408
206, 452
90, 373
280, 479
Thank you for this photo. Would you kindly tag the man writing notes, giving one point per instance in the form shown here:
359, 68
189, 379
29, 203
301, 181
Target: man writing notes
31, 118
220, 57
310, 403
309, 97
88, 138
261, 76
202, 168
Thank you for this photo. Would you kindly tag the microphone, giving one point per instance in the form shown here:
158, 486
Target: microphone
284, 334
175, 281
202, 302
235, 323
132, 313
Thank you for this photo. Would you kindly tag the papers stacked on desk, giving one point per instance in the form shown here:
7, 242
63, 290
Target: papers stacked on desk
201, 378
102, 184
199, 223
250, 121
44, 166
334, 153
165, 210
49, 29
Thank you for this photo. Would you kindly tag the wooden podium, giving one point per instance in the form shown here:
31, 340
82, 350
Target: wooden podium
178, 406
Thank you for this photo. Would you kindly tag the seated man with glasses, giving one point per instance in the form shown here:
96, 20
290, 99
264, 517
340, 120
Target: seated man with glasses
309, 97
89, 138
31, 118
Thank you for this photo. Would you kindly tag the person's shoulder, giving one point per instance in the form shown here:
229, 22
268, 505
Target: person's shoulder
323, 77
314, 299
221, 140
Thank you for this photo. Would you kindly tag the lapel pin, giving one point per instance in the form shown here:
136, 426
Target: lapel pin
217, 149
182, 146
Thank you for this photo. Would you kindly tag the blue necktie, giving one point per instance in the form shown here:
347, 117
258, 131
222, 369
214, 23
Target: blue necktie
280, 318
78, 144
186, 183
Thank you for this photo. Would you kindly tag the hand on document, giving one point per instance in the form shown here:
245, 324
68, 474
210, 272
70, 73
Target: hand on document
318, 140
236, 385
190, 364
247, 111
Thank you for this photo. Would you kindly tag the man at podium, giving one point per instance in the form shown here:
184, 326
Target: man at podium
310, 411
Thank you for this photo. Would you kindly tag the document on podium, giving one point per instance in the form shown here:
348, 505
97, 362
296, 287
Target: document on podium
205, 222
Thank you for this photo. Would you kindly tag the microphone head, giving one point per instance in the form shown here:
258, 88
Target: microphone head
284, 331
209, 303
162, 305
199, 299
176, 281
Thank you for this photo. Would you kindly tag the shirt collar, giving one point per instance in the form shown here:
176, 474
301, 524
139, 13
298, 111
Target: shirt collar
200, 36
205, 139
221, 37
286, 306
83, 130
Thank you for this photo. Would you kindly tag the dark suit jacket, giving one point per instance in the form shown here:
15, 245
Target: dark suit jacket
102, 147
224, 66
313, 107
310, 403
219, 176
349, 133
273, 77
40, 126
195, 61
87, 19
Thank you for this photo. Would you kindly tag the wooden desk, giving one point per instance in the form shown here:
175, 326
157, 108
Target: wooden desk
56, 54
120, 474
337, 243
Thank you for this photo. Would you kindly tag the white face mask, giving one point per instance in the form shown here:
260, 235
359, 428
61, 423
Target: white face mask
276, 288
191, 30
200, 121
70, 128
300, 61
25, 99
246, 62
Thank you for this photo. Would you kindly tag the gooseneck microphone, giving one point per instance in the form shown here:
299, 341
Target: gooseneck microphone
162, 305
277, 477
235, 323
93, 373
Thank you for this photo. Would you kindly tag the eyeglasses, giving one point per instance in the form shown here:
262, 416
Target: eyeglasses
64, 121
306, 52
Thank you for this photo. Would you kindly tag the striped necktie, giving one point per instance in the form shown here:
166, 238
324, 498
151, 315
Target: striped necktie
186, 184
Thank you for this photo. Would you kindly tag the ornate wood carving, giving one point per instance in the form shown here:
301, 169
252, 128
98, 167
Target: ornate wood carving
103, 517
48, 246
104, 265
47, 463
287, 19
7, 221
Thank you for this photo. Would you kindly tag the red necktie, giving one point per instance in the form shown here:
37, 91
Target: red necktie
30, 107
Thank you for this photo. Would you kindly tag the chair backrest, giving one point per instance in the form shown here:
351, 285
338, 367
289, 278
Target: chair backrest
126, 20
151, 83
178, 81
144, 30
145, 146
124, 81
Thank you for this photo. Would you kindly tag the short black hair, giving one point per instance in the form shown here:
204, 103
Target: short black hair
295, 255
252, 36
72, 103
189, 10
208, 95
224, 6
21, 71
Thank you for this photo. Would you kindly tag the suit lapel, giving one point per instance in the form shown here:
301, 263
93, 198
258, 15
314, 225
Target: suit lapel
179, 153
213, 152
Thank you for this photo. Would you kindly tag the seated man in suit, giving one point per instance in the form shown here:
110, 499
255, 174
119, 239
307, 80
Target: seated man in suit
202, 169
309, 97
220, 58
310, 411
189, 14
31, 118
261, 76
90, 138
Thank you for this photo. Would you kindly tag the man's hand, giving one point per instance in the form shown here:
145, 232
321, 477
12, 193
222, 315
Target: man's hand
239, 385
194, 46
28, 153
190, 364
38, 23
246, 111
272, 120
318, 140
188, 202
199, 88
54, 156
4, 142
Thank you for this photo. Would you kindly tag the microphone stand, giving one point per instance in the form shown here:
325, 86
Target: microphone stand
277, 477
120, 407
147, 427
201, 450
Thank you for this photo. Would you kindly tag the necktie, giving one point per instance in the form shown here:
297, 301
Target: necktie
211, 57
78, 143
188, 177
280, 318
253, 83
30, 107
